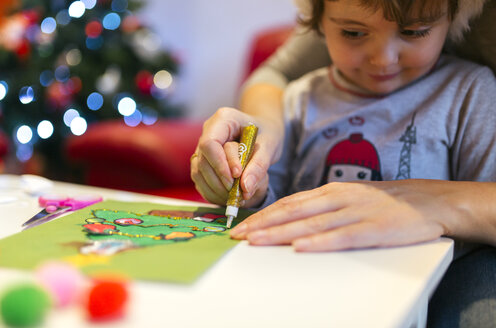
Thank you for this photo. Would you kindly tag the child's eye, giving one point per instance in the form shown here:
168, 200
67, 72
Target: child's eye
352, 34
416, 34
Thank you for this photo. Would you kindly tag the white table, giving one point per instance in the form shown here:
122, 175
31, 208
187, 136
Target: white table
261, 286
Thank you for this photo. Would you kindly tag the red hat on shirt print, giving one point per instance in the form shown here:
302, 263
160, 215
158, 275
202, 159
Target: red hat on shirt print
352, 159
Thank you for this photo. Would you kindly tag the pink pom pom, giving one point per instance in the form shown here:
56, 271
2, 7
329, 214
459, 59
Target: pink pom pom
63, 281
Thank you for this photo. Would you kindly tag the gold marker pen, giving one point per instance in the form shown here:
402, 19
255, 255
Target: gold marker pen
248, 136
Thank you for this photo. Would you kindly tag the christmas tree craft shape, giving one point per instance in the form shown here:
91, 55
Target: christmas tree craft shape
145, 241
155, 228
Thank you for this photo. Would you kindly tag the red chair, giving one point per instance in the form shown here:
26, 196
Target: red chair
153, 159
4, 148
150, 159
264, 44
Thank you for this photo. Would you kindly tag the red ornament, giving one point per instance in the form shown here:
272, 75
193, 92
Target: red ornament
144, 81
93, 29
23, 50
74, 85
107, 300
59, 95
98, 228
32, 15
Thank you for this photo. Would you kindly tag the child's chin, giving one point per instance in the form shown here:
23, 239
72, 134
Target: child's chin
382, 90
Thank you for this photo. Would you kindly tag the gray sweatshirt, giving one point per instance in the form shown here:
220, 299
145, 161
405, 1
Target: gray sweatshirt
442, 126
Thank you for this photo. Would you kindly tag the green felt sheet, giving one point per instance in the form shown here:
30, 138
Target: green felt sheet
165, 247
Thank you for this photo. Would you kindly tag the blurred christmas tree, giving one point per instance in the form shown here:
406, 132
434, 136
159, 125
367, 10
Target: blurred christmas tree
65, 64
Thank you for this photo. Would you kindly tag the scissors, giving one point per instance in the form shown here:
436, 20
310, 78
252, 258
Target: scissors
55, 205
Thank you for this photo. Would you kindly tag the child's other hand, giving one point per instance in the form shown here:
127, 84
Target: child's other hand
216, 161
354, 215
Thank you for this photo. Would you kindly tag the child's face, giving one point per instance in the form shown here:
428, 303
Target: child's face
377, 54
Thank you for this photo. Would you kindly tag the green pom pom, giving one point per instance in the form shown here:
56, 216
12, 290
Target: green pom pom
24, 305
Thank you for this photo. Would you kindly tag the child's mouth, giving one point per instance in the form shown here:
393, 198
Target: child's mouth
383, 77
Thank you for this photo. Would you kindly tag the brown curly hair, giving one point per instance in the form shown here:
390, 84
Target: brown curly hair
399, 11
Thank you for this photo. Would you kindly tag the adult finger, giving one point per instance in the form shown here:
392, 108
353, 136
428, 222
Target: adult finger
364, 234
232, 154
257, 198
210, 177
224, 126
255, 171
291, 208
286, 233
203, 188
213, 152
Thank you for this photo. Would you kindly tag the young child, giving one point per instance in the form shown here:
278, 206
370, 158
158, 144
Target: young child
391, 106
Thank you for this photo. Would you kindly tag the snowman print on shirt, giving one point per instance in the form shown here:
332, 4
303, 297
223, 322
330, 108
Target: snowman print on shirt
352, 159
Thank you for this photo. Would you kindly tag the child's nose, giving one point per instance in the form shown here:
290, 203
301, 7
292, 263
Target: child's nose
384, 54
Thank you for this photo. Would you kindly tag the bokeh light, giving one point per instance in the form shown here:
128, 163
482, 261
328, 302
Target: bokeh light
94, 43
150, 116
94, 101
126, 106
89, 4
24, 152
73, 57
45, 129
93, 29
63, 17
78, 126
76, 9
24, 134
111, 21
119, 5
134, 119
26, 95
162, 79
62, 73
48, 25
46, 78
70, 115
4, 88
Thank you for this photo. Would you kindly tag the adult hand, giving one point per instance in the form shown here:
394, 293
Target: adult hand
216, 163
350, 215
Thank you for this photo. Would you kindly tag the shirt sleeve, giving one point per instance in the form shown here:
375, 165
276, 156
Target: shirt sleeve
474, 148
303, 52
281, 173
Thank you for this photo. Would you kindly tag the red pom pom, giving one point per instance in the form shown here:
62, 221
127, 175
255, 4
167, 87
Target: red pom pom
106, 300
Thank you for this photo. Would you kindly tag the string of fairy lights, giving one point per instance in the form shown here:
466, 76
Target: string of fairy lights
158, 84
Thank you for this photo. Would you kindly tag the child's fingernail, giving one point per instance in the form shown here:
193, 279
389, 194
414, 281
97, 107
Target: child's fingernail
249, 183
238, 231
